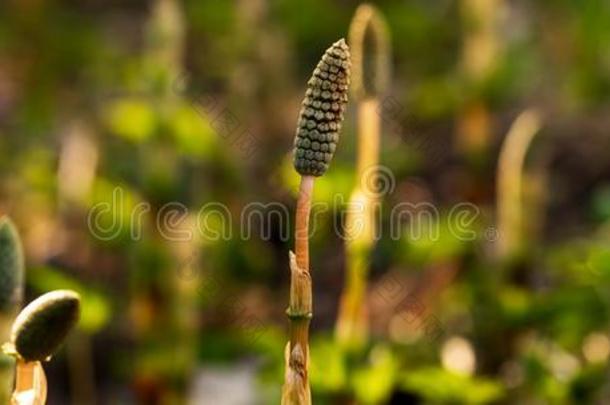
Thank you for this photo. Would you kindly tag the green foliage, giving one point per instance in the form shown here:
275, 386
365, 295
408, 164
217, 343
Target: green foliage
373, 383
440, 386
132, 119
328, 369
430, 237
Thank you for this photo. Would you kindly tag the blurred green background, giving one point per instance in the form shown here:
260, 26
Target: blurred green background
110, 108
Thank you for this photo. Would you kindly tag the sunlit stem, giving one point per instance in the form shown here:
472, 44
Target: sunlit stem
509, 181
369, 133
301, 235
351, 328
296, 390
30, 384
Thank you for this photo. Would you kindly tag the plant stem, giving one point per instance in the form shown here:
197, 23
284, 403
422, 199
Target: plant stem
30, 384
296, 389
79, 356
369, 133
352, 324
7, 364
509, 182
301, 236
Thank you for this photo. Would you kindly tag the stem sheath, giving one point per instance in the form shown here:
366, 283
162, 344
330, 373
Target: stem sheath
296, 389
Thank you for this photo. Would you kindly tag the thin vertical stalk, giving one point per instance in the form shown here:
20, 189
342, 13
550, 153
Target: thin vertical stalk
368, 86
480, 55
369, 134
296, 385
509, 181
79, 357
301, 236
7, 363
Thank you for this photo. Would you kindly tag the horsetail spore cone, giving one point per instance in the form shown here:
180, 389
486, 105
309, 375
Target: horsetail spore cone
11, 267
322, 112
11, 294
43, 325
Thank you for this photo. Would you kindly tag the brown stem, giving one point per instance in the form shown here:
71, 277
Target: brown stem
7, 372
296, 389
301, 235
30, 384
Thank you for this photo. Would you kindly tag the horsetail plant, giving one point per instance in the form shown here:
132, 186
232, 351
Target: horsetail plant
481, 54
509, 182
43, 325
11, 267
316, 139
370, 44
36, 332
40, 328
11, 295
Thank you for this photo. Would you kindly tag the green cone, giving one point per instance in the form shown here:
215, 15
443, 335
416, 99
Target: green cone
43, 325
322, 112
11, 267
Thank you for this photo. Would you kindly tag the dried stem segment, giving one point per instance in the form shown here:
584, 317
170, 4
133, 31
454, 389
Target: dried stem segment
296, 389
30, 385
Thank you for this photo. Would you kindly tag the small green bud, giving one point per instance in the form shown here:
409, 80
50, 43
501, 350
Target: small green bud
43, 325
322, 112
11, 267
